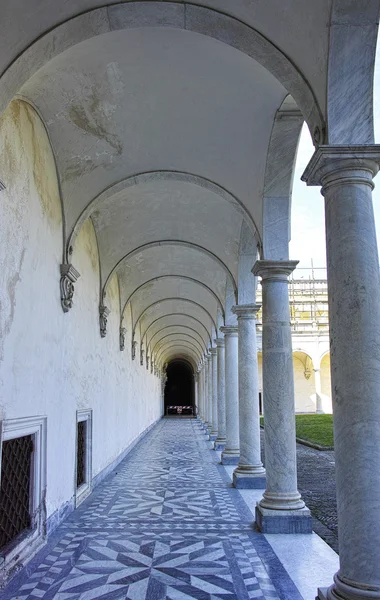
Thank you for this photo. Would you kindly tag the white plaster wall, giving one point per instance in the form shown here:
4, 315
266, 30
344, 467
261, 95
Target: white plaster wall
52, 363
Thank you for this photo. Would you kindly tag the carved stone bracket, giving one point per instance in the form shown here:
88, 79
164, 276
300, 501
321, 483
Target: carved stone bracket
69, 275
122, 333
103, 316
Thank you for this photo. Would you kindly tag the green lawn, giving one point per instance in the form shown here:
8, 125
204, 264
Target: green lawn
315, 428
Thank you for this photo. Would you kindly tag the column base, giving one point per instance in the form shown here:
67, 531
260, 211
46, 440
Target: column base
213, 436
219, 444
246, 479
283, 521
230, 457
341, 590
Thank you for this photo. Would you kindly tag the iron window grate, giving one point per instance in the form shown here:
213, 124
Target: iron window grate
15, 488
81, 452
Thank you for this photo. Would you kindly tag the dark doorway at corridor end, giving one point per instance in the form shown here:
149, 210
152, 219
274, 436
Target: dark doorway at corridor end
179, 388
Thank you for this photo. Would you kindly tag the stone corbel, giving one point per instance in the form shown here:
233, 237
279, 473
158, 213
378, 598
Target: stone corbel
152, 367
142, 354
147, 362
69, 275
134, 344
122, 333
103, 316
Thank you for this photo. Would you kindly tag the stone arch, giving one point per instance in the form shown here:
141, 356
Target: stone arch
187, 16
352, 51
279, 171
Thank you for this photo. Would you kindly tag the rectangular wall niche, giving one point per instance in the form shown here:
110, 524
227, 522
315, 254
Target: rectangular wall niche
83, 464
23, 489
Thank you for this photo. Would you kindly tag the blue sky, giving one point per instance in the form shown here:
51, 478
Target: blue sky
308, 228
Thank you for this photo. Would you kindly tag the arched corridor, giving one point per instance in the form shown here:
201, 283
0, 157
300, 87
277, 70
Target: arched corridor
147, 158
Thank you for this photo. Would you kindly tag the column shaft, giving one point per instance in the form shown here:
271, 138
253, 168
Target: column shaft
354, 315
281, 498
214, 368
209, 393
230, 455
250, 472
220, 441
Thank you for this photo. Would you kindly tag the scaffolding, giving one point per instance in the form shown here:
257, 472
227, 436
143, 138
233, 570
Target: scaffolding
308, 301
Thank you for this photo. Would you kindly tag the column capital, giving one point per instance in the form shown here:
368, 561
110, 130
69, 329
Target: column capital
342, 164
220, 343
246, 311
274, 269
230, 330
213, 351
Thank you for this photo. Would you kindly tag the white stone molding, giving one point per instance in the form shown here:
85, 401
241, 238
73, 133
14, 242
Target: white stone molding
85, 489
28, 544
69, 276
103, 317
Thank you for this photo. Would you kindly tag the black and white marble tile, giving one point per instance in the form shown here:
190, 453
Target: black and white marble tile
165, 525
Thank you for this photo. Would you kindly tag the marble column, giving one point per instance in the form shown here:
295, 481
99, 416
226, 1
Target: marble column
281, 509
209, 392
346, 174
250, 472
204, 392
220, 441
230, 454
196, 393
214, 368
318, 391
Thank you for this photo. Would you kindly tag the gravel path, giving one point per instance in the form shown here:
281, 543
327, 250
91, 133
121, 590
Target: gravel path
316, 482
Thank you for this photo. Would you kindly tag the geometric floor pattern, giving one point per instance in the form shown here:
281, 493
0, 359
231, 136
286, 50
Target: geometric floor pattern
165, 525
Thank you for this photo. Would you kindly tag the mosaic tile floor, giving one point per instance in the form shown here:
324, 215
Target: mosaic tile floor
165, 525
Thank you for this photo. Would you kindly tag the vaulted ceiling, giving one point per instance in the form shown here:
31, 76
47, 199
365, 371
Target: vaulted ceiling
160, 116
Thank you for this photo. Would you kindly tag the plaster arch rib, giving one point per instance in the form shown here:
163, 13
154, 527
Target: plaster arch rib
154, 176
182, 345
184, 277
190, 17
181, 315
182, 243
195, 342
176, 326
185, 300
